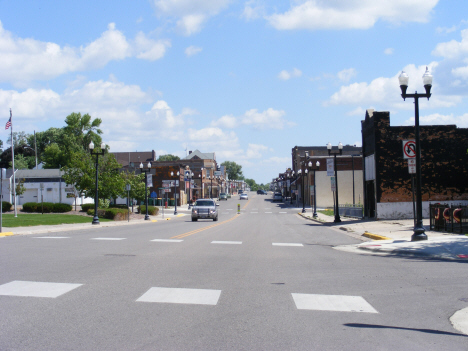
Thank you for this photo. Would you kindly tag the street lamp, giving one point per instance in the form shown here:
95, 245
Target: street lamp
317, 164
146, 171
334, 153
175, 191
419, 231
96, 198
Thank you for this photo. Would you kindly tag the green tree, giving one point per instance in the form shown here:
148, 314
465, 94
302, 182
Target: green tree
19, 138
233, 170
20, 162
168, 157
137, 186
252, 184
81, 173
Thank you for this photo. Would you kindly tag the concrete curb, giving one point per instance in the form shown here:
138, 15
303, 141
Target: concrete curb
375, 236
310, 218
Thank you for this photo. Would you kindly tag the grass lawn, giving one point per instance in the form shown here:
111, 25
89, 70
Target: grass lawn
29, 219
327, 212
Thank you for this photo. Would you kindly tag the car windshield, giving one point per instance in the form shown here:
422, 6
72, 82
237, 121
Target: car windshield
223, 194
203, 203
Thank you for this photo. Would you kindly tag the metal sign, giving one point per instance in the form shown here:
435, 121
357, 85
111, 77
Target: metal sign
153, 194
330, 167
409, 149
412, 166
333, 183
170, 183
218, 173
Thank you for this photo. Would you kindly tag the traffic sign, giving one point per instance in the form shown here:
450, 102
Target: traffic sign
411, 166
409, 149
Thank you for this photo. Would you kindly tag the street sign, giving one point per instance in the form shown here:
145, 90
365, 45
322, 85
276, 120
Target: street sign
218, 173
412, 166
153, 195
409, 149
330, 167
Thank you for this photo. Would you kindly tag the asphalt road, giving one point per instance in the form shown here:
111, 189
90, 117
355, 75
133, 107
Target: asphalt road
265, 279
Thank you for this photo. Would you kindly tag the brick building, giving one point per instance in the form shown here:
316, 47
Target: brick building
387, 184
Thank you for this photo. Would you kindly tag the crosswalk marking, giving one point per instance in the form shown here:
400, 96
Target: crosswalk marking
287, 244
36, 289
227, 242
339, 303
167, 240
183, 296
108, 238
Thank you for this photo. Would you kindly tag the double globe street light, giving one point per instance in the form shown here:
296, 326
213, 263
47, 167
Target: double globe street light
96, 198
146, 171
175, 191
317, 164
419, 231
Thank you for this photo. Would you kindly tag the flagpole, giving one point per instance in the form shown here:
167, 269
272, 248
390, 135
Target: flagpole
13, 164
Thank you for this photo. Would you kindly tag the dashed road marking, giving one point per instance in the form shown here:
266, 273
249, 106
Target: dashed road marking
227, 242
51, 237
107, 238
36, 289
287, 244
339, 303
183, 296
167, 240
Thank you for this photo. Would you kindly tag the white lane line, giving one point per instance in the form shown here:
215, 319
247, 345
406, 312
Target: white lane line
36, 289
108, 238
283, 212
51, 237
253, 212
168, 240
227, 242
185, 296
340, 303
268, 212
287, 244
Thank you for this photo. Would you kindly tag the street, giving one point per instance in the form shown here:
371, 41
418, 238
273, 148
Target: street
264, 279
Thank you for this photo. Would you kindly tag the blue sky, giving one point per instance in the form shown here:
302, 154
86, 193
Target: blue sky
248, 80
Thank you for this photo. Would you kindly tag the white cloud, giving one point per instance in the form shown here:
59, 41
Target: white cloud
192, 14
388, 51
268, 119
24, 60
212, 138
285, 75
346, 74
253, 9
446, 30
439, 119
385, 92
255, 151
192, 50
453, 49
350, 14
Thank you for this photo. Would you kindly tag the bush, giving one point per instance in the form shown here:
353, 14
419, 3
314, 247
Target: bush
116, 214
86, 207
30, 207
103, 203
118, 206
6, 206
153, 211
61, 208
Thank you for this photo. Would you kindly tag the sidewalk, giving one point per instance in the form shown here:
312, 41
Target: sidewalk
394, 237
168, 215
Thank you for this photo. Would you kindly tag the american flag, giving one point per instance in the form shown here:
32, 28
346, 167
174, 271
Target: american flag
8, 124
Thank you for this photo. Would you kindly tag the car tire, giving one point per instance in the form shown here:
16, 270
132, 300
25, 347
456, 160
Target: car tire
215, 219
194, 219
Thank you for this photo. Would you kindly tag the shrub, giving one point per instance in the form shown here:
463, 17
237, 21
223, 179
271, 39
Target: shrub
153, 211
103, 203
86, 207
60, 208
30, 207
6, 206
116, 214
46, 207
118, 206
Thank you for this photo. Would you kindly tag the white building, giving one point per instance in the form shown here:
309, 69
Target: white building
44, 185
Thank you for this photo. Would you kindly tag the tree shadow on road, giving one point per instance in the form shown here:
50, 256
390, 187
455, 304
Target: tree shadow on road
376, 326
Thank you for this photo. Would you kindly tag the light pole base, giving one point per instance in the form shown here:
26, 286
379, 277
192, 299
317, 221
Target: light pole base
315, 215
96, 220
147, 217
175, 213
303, 210
337, 219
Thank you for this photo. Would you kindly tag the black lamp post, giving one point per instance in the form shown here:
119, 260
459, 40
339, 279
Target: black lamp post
175, 191
146, 171
96, 198
419, 231
317, 164
334, 153
190, 176
290, 186
211, 186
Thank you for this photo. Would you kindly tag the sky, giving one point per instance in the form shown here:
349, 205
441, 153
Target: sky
246, 79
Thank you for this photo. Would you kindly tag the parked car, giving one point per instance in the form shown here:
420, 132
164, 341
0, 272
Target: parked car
277, 197
204, 209
261, 192
228, 195
243, 196
223, 196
